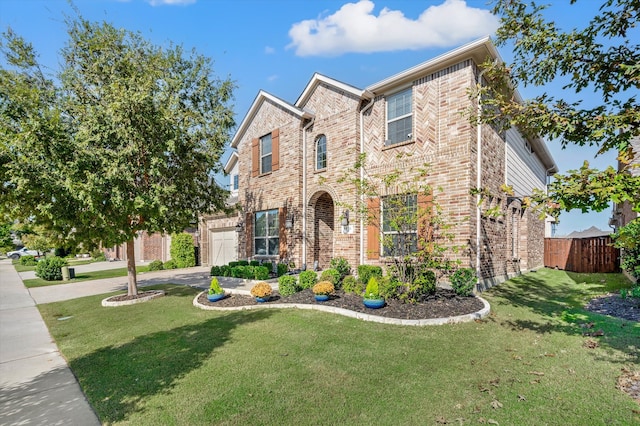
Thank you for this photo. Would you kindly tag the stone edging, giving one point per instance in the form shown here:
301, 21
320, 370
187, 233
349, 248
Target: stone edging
365, 317
157, 293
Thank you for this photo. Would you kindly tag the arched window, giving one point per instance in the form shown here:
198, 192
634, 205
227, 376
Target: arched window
321, 152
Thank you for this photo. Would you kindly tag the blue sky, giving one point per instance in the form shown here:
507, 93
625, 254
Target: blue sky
277, 45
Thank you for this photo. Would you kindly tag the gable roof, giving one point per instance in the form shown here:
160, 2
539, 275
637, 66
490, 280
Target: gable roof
318, 79
231, 162
258, 101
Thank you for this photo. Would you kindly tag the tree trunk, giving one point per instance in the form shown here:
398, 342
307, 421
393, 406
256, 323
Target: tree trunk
132, 289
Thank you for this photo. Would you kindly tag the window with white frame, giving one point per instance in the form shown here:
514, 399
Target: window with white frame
399, 117
321, 152
399, 224
235, 183
265, 154
266, 233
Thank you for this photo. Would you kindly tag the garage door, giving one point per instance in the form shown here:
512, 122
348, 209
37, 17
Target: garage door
224, 247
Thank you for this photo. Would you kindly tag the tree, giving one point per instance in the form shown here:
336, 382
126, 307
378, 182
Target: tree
601, 57
126, 140
6, 238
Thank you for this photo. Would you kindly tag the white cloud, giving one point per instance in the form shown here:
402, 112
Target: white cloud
170, 2
269, 50
273, 77
354, 28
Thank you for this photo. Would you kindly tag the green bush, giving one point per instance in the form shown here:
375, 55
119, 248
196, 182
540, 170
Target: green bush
628, 239
463, 281
243, 263
170, 264
351, 285
283, 268
225, 270
308, 279
331, 275
341, 265
156, 265
214, 287
426, 283
288, 285
98, 256
216, 271
182, 250
50, 268
260, 272
237, 271
372, 291
367, 271
391, 288
254, 263
233, 264
28, 260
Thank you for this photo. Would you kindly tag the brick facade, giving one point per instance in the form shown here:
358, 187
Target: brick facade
354, 121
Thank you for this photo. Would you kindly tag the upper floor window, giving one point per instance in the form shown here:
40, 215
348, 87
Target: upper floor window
321, 152
266, 235
400, 225
265, 154
399, 117
235, 183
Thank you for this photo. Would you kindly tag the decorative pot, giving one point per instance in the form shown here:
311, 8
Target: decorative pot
215, 297
263, 299
322, 297
373, 303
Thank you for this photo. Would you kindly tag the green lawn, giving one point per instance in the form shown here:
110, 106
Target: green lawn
84, 276
72, 262
167, 362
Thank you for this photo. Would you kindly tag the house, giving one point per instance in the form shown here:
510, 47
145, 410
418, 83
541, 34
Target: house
291, 157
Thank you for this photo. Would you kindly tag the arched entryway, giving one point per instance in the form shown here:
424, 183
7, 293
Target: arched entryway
322, 209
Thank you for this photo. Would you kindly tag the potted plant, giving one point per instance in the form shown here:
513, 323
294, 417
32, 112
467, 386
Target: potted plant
262, 292
372, 297
323, 290
215, 291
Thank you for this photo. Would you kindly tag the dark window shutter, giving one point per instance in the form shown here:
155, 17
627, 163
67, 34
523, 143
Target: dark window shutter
248, 226
275, 150
255, 157
373, 228
282, 218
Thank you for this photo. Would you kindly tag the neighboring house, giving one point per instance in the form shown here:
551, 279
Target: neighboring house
149, 247
290, 158
623, 213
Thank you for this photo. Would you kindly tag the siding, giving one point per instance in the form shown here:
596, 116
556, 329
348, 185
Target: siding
524, 170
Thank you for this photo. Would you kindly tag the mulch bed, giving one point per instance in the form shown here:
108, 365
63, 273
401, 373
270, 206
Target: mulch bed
445, 303
614, 305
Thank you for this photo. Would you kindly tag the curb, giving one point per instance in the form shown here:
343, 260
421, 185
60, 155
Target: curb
358, 315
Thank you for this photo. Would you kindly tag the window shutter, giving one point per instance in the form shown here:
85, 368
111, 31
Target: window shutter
255, 157
282, 218
248, 226
373, 228
275, 150
425, 213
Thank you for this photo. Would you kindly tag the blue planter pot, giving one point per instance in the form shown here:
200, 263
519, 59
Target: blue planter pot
322, 297
215, 297
373, 303
263, 299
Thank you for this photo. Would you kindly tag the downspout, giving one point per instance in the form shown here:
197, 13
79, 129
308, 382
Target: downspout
304, 190
362, 111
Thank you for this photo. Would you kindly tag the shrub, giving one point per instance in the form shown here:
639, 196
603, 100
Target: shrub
308, 279
98, 256
351, 285
324, 288
283, 268
367, 271
237, 271
225, 270
156, 265
214, 287
50, 268
331, 275
341, 265
260, 272
170, 264
254, 263
243, 263
28, 260
372, 291
288, 285
426, 283
463, 281
627, 238
182, 250
391, 288
234, 263
261, 289
216, 271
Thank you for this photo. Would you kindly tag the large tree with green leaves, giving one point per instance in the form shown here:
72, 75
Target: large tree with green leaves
126, 138
602, 57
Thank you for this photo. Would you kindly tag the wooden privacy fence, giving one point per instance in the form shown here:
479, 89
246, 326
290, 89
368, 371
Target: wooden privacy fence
595, 254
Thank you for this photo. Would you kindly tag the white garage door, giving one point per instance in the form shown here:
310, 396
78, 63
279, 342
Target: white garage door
224, 247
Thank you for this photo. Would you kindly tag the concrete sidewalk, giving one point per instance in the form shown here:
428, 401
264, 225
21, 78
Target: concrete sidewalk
36, 385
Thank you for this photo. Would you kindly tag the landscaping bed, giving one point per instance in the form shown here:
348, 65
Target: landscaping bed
443, 304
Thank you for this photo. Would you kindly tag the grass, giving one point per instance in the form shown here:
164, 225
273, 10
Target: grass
166, 362
25, 268
84, 276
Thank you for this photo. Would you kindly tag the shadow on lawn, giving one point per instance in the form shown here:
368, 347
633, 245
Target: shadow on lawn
558, 304
116, 378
